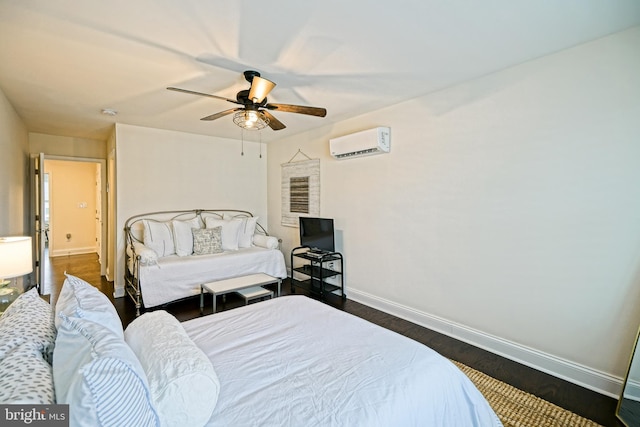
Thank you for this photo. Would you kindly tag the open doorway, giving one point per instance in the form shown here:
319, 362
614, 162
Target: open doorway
71, 210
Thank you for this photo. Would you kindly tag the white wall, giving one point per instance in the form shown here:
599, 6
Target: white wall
507, 213
160, 170
14, 172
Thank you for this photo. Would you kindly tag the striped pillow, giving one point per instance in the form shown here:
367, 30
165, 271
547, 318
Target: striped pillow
99, 377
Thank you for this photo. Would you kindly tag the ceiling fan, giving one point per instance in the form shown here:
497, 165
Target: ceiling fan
254, 111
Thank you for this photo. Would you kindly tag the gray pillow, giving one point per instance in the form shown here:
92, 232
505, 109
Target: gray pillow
26, 377
28, 319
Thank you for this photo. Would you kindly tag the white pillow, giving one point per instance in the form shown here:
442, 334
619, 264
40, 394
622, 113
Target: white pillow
183, 237
98, 376
147, 255
159, 237
268, 242
230, 231
183, 383
80, 299
247, 230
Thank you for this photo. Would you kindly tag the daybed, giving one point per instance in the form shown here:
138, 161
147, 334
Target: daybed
267, 364
170, 254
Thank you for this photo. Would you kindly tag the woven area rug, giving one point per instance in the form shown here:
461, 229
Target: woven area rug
516, 408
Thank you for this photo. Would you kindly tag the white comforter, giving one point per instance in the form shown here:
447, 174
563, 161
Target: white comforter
175, 277
293, 361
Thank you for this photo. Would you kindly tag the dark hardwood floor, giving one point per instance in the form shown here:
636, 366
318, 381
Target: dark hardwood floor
584, 402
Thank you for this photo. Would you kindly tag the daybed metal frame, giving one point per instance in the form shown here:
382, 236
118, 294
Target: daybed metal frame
131, 276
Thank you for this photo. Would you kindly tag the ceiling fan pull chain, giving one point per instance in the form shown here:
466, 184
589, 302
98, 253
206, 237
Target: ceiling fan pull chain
260, 144
242, 142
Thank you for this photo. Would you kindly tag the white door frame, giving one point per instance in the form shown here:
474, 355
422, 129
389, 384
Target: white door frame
103, 238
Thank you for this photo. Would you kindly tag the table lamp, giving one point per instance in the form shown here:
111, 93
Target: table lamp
15, 261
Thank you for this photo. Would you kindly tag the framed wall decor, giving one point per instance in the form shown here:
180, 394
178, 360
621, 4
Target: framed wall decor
300, 190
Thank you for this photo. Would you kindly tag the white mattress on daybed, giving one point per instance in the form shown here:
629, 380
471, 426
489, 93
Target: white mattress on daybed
292, 361
173, 276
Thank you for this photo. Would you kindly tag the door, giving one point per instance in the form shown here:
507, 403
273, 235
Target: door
99, 212
39, 224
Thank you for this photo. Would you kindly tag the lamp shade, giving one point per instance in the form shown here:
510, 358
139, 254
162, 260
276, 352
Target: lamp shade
15, 256
260, 88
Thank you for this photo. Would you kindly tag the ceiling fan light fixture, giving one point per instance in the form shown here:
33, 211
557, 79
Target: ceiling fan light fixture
260, 88
250, 119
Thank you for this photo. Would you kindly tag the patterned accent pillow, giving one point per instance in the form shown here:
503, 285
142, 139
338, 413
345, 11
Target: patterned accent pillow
207, 240
25, 377
29, 319
99, 377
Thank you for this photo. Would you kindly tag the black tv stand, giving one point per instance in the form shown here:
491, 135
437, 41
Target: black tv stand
318, 266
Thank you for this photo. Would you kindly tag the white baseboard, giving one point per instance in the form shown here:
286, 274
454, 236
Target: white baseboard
118, 292
75, 251
581, 375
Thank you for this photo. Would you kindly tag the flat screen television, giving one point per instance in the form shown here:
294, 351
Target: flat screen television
317, 233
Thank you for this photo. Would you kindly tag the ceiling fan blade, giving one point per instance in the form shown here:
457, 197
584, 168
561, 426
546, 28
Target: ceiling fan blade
260, 88
300, 109
274, 123
177, 89
221, 114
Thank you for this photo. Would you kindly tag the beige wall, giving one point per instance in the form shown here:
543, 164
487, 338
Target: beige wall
73, 207
67, 146
507, 213
160, 170
14, 172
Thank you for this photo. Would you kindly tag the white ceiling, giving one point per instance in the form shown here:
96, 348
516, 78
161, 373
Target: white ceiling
63, 61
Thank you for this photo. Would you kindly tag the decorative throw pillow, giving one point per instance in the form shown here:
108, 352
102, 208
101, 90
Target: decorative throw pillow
28, 319
183, 237
207, 241
98, 376
80, 299
247, 230
159, 237
184, 386
25, 377
230, 231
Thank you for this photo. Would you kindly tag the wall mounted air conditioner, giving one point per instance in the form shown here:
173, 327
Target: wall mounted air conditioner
365, 143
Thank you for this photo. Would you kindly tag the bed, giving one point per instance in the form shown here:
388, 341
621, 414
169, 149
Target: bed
289, 361
293, 361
